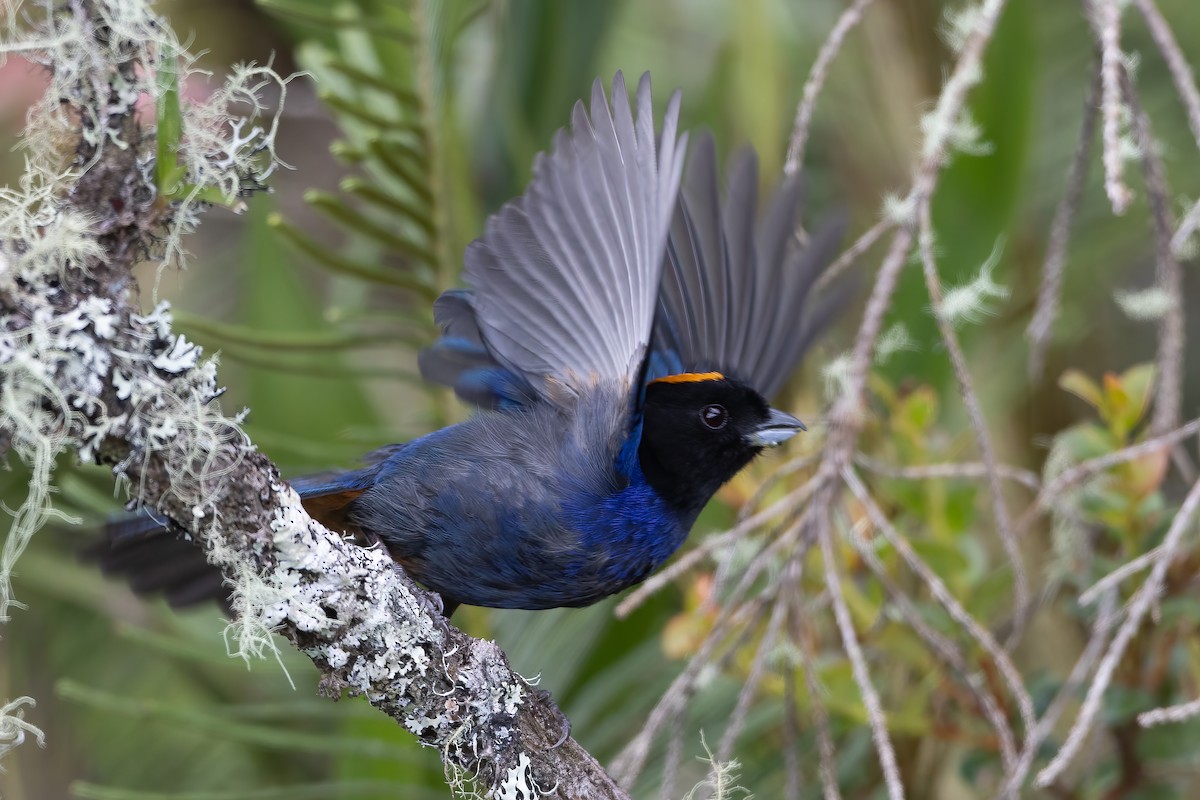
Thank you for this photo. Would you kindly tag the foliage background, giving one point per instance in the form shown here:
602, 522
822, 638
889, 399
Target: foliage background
136, 698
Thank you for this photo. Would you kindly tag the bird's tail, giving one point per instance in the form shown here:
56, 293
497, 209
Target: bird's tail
139, 548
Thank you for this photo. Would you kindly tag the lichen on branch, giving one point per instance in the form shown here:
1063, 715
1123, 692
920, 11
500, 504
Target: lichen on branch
109, 184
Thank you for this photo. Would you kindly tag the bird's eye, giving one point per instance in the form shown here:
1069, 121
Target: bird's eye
714, 417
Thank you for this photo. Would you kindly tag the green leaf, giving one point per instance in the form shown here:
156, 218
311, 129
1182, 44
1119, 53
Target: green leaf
1138, 382
403, 209
1088, 440
1180, 610
1083, 387
916, 412
1178, 742
168, 172
1123, 703
404, 162
406, 97
314, 17
334, 261
359, 223
315, 366
304, 340
944, 558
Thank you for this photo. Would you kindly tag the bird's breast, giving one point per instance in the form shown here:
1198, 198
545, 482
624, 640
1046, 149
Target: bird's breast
627, 535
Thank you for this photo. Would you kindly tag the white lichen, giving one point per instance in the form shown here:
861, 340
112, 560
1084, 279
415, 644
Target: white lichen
64, 241
519, 784
896, 339
722, 781
972, 302
13, 727
226, 142
42, 238
960, 24
1145, 305
62, 359
227, 146
836, 372
1185, 244
836, 376
1067, 536
948, 127
37, 416
962, 133
900, 211
54, 370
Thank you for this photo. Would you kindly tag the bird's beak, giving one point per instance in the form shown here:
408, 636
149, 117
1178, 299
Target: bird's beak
778, 428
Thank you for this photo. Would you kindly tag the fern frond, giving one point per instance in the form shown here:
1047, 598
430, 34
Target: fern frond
223, 333
222, 726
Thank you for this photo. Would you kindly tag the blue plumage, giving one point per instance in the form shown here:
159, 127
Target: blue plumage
616, 337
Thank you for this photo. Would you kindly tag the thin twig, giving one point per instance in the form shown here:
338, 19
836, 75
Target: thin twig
674, 755
858, 663
938, 589
828, 755
758, 667
851, 254
965, 75
1181, 71
1169, 714
1141, 603
846, 417
791, 467
844, 434
966, 387
1122, 573
1187, 226
1044, 314
943, 648
1066, 694
1108, 36
1168, 396
816, 80
785, 506
769, 553
630, 762
794, 777
969, 470
733, 613
1086, 469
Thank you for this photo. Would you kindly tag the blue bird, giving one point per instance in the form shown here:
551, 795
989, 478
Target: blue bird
619, 338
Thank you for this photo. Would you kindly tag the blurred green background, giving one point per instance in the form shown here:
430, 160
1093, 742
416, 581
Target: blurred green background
318, 297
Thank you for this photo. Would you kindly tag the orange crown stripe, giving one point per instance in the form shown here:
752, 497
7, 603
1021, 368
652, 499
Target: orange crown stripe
691, 377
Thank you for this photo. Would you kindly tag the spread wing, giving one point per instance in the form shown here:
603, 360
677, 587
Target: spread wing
565, 278
735, 297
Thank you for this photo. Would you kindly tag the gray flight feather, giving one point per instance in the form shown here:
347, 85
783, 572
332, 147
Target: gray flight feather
565, 278
735, 298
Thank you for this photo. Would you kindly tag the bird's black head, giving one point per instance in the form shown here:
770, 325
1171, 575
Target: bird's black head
699, 430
